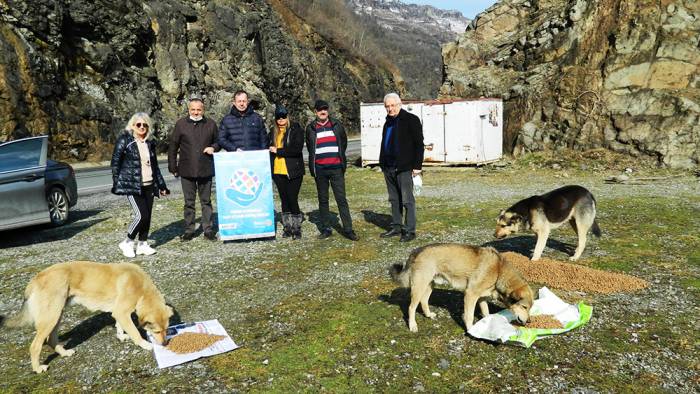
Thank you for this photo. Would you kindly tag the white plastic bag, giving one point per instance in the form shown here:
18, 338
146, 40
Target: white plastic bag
417, 184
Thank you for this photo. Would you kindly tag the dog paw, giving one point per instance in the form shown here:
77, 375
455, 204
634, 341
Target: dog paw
66, 352
41, 368
535, 258
413, 327
431, 315
145, 345
573, 258
122, 337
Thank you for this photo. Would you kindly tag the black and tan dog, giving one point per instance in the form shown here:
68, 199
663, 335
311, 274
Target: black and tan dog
573, 204
481, 273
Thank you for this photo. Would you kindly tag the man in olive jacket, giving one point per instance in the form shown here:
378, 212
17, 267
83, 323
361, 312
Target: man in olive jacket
190, 156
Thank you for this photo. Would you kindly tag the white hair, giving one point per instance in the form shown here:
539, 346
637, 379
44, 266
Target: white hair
144, 118
392, 96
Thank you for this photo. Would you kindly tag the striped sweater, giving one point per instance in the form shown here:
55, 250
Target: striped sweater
327, 150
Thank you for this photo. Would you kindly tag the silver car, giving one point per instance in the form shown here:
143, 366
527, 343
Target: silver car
34, 189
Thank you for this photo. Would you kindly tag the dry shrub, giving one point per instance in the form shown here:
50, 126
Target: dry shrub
190, 342
576, 277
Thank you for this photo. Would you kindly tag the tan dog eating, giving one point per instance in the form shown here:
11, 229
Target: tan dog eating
117, 288
481, 273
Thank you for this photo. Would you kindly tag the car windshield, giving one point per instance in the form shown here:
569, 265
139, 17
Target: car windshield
21, 154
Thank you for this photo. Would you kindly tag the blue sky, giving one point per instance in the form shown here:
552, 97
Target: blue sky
468, 7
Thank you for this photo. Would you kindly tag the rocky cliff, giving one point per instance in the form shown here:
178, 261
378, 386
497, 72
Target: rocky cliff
581, 74
78, 69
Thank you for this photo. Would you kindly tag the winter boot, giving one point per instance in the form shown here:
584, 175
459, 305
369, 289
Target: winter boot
296, 225
286, 224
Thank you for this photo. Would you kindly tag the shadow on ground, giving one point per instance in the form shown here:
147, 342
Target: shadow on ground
333, 220
380, 220
451, 300
78, 222
526, 244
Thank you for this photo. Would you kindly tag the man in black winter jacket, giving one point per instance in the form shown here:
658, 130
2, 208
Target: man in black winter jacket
401, 159
242, 128
190, 156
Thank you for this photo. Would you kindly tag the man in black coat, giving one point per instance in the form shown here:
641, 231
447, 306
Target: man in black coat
401, 159
242, 128
190, 156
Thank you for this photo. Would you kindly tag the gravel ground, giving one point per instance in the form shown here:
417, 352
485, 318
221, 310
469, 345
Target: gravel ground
232, 281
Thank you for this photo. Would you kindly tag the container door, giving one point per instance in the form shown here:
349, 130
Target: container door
461, 129
372, 117
491, 116
434, 133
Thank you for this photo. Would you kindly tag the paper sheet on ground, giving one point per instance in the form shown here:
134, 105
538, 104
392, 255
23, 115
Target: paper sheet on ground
166, 358
497, 326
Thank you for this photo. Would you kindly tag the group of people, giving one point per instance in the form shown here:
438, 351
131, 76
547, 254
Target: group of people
195, 138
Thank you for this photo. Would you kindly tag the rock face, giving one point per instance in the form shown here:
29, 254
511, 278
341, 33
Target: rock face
581, 74
78, 69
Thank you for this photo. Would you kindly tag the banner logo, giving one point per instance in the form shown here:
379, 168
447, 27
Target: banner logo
244, 187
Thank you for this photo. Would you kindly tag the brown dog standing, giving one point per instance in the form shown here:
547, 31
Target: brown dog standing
480, 272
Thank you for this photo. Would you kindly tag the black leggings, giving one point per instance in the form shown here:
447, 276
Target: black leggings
142, 205
289, 192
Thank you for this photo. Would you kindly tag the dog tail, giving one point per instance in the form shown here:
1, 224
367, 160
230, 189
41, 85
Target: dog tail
21, 319
595, 229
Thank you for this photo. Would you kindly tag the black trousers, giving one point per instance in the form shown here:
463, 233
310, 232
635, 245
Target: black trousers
336, 180
142, 205
288, 190
399, 186
190, 188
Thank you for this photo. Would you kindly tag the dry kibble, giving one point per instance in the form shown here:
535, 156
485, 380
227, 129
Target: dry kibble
543, 321
567, 276
190, 342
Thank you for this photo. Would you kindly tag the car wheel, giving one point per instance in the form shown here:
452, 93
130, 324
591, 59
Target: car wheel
58, 206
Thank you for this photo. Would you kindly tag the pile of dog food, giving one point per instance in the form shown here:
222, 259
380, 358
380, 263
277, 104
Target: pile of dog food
190, 342
568, 276
543, 321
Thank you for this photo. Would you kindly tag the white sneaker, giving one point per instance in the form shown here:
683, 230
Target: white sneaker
127, 247
143, 248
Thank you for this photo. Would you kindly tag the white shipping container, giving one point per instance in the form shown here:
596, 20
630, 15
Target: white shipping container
454, 132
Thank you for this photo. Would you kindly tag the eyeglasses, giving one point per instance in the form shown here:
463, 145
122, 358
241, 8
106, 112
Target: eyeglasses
140, 125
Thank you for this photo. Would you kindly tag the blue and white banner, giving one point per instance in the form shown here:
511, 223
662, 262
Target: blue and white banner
244, 195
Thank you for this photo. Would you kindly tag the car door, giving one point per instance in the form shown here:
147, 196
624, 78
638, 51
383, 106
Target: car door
22, 194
